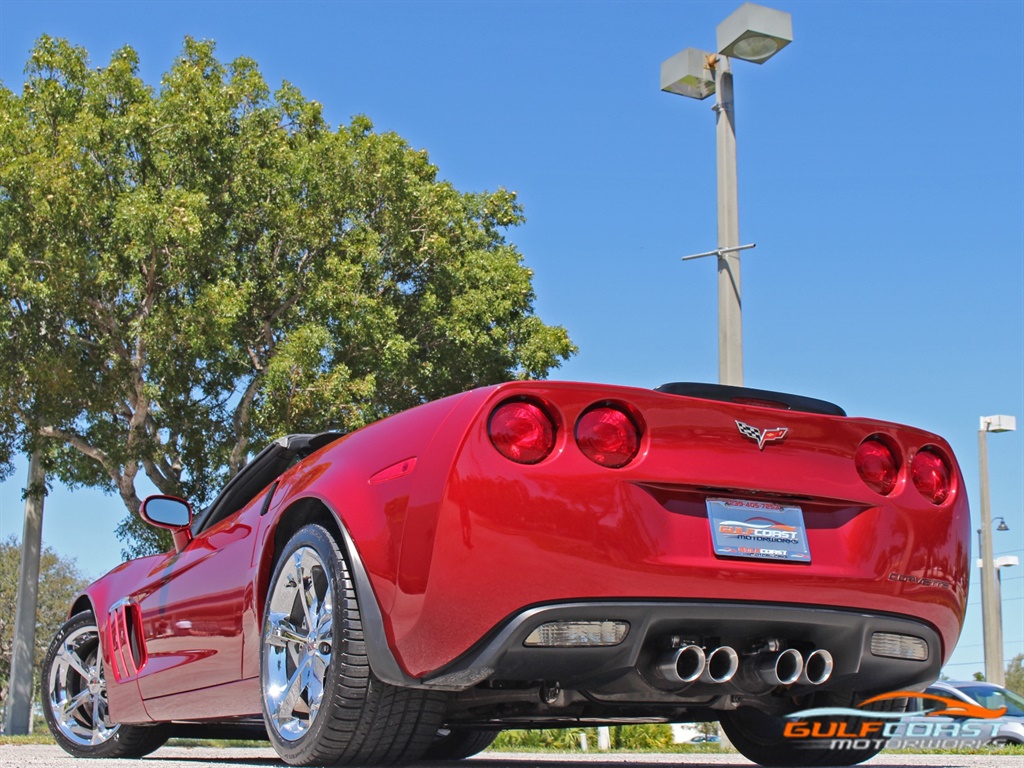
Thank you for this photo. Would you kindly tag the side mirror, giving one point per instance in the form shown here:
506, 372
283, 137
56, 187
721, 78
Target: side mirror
172, 514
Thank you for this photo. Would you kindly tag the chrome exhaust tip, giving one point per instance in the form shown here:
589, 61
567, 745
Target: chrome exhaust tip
720, 665
681, 665
781, 668
817, 669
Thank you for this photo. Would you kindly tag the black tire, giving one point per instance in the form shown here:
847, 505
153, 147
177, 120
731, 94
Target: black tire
459, 743
73, 680
1004, 741
759, 737
322, 703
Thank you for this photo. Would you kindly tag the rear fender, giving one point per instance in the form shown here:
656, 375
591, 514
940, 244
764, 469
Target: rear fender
376, 488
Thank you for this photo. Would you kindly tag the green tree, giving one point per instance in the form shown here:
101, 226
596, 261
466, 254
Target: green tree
59, 581
195, 269
1015, 674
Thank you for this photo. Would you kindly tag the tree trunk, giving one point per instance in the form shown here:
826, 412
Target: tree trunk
19, 704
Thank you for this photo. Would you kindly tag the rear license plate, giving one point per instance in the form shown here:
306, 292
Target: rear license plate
758, 529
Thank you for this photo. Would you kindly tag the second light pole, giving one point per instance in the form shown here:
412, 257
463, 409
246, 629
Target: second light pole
991, 613
752, 33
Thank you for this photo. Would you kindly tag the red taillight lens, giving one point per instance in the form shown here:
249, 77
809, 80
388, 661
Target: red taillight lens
931, 475
877, 465
522, 431
608, 436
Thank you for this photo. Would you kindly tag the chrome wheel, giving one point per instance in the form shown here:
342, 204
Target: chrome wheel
297, 643
77, 690
322, 704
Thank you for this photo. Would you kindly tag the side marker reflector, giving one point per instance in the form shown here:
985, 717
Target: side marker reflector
570, 634
895, 646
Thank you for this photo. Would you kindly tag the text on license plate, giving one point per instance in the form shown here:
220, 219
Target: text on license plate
758, 529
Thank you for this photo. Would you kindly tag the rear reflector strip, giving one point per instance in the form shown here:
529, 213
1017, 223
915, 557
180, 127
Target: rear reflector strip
569, 634
894, 646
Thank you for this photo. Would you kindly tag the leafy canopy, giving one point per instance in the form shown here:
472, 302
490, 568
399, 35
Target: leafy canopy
195, 269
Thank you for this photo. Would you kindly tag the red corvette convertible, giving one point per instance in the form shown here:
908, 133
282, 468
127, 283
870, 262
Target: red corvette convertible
532, 554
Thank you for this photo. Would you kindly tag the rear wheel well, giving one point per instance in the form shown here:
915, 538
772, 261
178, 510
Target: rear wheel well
300, 514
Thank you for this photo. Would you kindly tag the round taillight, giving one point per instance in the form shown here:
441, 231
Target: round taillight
931, 475
522, 431
608, 436
877, 465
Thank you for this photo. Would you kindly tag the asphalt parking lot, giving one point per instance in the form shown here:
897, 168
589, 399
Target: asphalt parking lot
34, 756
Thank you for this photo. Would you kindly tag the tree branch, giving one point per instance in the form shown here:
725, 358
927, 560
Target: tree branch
240, 420
79, 444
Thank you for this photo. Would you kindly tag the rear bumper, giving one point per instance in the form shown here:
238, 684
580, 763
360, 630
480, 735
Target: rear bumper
623, 542
625, 669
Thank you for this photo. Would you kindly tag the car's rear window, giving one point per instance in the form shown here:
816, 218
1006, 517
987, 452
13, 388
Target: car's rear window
996, 699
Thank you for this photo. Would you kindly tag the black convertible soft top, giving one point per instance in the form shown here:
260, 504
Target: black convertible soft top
266, 467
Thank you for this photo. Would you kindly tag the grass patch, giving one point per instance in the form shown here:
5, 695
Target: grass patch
219, 743
32, 738
624, 738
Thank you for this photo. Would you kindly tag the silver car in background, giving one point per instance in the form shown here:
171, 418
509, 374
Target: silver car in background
988, 695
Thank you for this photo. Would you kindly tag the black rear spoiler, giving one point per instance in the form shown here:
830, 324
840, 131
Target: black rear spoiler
747, 396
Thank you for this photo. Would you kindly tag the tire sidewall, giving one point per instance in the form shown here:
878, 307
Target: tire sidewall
109, 748
317, 538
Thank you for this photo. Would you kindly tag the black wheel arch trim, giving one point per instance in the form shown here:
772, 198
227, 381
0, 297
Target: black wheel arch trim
378, 653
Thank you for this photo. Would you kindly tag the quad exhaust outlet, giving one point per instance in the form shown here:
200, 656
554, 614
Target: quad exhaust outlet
722, 664
817, 669
690, 663
778, 667
681, 665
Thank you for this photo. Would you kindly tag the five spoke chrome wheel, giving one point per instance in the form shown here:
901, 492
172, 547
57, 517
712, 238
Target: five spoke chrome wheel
77, 690
297, 643
322, 703
75, 705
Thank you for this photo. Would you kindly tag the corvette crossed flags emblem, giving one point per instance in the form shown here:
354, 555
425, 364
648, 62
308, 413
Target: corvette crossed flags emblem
762, 436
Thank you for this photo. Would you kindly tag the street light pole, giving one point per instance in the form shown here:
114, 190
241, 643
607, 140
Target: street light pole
730, 306
990, 610
752, 33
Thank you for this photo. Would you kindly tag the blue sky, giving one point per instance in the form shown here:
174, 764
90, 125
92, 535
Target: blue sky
881, 173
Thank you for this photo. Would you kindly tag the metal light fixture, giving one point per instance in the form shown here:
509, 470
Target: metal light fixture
689, 73
754, 33
1002, 523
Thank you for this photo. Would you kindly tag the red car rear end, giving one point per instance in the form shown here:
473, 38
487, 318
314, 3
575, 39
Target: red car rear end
534, 554
880, 512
